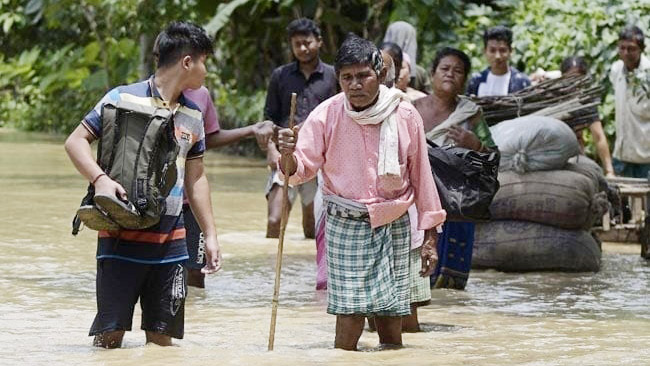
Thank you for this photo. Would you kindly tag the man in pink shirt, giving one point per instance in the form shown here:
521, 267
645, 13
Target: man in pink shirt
369, 143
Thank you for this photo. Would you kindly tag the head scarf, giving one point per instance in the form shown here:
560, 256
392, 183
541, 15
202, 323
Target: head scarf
405, 36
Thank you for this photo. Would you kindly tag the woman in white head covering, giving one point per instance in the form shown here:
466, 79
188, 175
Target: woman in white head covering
405, 36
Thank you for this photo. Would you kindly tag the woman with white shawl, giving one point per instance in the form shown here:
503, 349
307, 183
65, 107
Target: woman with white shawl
450, 118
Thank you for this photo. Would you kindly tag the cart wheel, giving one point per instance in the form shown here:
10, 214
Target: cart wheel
644, 238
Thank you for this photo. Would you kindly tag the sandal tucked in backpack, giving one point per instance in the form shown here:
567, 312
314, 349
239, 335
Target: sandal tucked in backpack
137, 149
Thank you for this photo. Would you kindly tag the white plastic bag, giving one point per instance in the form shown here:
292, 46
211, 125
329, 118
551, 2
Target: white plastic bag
533, 143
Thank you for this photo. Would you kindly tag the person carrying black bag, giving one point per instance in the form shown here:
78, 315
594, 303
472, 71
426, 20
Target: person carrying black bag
451, 120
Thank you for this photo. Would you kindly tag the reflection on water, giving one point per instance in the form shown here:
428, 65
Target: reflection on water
620, 291
48, 302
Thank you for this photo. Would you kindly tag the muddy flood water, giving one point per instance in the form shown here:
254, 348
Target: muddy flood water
48, 290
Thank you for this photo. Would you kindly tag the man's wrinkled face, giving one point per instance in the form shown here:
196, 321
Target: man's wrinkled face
360, 83
497, 54
630, 52
305, 47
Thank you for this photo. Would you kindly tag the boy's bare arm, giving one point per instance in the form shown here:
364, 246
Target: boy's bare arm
198, 193
77, 145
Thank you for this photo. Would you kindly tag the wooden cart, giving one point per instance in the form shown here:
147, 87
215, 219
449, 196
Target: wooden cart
635, 195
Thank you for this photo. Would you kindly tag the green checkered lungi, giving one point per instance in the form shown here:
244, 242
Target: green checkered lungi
368, 269
420, 287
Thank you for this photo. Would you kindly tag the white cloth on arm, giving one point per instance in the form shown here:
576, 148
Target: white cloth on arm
383, 111
465, 109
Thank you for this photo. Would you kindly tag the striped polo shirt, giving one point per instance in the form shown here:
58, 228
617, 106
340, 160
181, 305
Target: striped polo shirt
164, 242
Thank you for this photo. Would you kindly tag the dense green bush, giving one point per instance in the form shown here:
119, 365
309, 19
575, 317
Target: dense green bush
236, 109
78, 50
52, 90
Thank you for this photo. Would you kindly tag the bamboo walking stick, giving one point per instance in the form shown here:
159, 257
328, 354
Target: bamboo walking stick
283, 226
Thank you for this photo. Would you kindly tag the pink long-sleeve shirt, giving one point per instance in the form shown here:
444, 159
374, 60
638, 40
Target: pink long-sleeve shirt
347, 153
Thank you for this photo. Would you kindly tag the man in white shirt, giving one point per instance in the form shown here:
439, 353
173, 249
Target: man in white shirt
499, 78
632, 147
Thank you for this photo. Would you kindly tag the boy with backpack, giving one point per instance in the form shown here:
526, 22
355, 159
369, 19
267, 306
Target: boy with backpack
147, 264
215, 137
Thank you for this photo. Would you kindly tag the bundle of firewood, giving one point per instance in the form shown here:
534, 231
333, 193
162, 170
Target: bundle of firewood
572, 99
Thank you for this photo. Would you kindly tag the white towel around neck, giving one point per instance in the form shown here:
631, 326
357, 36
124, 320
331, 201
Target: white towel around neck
383, 112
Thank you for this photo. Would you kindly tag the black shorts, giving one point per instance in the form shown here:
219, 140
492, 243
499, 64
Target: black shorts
161, 288
195, 240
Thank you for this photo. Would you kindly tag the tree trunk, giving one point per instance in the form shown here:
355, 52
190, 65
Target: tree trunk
147, 62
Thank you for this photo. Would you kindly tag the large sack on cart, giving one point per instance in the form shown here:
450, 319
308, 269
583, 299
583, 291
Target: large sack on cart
533, 143
520, 246
560, 198
587, 167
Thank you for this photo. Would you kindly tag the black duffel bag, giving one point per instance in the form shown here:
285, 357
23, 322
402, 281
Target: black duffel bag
466, 181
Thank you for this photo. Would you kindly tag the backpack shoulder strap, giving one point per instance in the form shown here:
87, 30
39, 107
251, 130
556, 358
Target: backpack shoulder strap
110, 132
151, 155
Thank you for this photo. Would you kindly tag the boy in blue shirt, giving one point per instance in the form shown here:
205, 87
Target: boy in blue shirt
148, 264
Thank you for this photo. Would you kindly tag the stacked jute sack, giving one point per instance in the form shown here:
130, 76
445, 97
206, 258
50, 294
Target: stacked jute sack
550, 197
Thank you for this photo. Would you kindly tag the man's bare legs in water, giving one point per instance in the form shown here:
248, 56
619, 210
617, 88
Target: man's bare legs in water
114, 339
410, 323
275, 215
350, 327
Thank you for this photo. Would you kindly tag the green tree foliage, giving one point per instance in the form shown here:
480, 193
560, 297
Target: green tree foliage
57, 57
78, 51
437, 22
82, 50
252, 36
